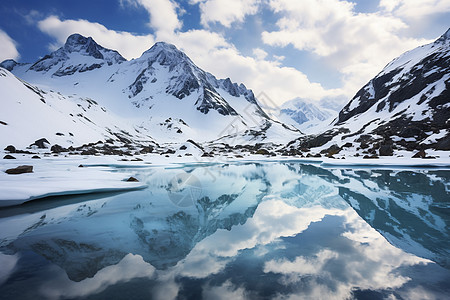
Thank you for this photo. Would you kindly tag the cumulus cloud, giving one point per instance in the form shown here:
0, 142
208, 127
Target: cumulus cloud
359, 45
8, 47
163, 14
415, 9
259, 53
128, 44
226, 12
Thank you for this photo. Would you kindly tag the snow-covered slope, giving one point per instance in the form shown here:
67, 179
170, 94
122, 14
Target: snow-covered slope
29, 113
405, 107
163, 91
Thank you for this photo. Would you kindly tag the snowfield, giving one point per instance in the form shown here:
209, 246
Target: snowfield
61, 175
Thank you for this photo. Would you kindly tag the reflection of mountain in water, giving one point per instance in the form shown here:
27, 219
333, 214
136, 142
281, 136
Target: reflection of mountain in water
88, 237
408, 208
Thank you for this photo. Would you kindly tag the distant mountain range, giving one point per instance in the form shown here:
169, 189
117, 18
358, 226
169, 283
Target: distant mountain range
307, 116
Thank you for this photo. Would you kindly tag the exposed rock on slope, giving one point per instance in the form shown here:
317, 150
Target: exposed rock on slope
405, 107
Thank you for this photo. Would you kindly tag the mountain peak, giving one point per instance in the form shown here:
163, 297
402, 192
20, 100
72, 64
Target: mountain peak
76, 38
166, 52
87, 46
164, 45
8, 64
445, 37
96, 57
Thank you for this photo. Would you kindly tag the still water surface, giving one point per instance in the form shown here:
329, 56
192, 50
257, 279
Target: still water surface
237, 231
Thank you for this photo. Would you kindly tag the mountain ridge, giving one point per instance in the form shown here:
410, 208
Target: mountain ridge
403, 108
163, 91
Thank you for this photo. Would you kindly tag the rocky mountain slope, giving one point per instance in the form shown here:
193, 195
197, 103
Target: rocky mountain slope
162, 93
405, 107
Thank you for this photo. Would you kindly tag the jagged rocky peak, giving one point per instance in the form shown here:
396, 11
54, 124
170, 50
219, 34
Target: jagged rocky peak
87, 46
8, 64
61, 62
445, 38
185, 79
166, 54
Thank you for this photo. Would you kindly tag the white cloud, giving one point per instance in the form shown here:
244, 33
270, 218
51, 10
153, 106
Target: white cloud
226, 12
213, 53
259, 53
163, 14
129, 45
8, 48
359, 45
278, 82
415, 9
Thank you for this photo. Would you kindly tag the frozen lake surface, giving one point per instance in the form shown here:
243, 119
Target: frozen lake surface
268, 230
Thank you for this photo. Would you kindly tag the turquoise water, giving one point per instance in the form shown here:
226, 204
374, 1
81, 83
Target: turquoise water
245, 231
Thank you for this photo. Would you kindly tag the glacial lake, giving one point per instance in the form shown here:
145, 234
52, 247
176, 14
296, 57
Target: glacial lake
269, 230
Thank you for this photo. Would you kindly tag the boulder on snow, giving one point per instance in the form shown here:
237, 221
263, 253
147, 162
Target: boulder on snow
132, 179
262, 152
42, 143
20, 170
146, 149
7, 156
58, 149
10, 149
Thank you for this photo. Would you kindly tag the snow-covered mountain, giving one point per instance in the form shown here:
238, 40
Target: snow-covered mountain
163, 93
305, 115
405, 107
29, 113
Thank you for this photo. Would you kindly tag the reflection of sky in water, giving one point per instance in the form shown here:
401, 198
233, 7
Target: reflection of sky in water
284, 231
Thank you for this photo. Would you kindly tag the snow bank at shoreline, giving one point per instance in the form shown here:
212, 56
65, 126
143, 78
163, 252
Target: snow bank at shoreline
61, 175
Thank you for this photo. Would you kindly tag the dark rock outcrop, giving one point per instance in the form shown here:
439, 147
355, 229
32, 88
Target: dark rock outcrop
42, 143
20, 170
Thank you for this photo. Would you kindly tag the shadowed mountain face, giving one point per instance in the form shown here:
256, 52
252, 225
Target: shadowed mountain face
414, 90
404, 107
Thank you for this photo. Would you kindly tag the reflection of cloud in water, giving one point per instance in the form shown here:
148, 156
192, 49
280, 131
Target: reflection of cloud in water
225, 291
368, 262
272, 219
357, 257
130, 267
7, 263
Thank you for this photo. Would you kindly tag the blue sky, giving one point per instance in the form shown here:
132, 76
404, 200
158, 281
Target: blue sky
312, 49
